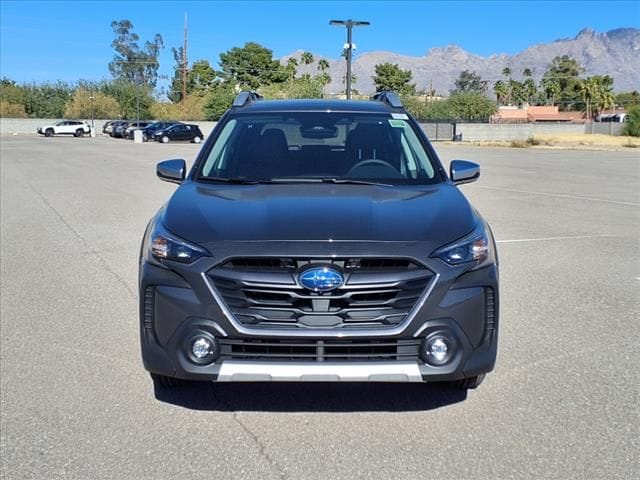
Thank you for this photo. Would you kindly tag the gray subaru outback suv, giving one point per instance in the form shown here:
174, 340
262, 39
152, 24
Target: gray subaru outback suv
318, 240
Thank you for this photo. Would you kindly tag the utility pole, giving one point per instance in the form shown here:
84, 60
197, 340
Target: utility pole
184, 60
349, 46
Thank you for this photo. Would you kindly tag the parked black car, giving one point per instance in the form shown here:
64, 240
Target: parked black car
128, 132
180, 132
148, 131
108, 126
119, 128
318, 240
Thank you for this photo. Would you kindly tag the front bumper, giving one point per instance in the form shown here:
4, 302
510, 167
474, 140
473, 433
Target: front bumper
182, 301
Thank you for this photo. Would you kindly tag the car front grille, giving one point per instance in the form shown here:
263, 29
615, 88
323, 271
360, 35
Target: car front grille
319, 350
265, 292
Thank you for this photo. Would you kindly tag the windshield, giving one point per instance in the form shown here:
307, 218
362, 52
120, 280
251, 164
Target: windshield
318, 146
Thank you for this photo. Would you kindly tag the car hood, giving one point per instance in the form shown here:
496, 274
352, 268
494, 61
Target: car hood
204, 213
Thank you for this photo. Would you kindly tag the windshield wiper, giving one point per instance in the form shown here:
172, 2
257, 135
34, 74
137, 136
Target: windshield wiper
349, 181
346, 181
238, 181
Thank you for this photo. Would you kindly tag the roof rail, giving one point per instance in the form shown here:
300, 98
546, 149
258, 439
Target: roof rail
388, 97
246, 97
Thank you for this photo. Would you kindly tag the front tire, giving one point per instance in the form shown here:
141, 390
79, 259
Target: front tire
197, 139
165, 139
79, 133
48, 132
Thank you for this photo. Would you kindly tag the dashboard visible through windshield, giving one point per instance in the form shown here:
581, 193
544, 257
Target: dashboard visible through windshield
331, 147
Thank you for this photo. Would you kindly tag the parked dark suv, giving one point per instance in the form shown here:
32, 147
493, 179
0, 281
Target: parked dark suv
149, 130
318, 240
179, 132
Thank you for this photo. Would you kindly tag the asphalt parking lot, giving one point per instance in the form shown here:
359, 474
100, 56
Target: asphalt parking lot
76, 402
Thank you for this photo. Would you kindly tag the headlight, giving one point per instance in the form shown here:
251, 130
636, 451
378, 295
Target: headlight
475, 249
165, 245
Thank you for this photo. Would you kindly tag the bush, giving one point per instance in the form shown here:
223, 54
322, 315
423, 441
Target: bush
192, 108
82, 106
12, 110
632, 128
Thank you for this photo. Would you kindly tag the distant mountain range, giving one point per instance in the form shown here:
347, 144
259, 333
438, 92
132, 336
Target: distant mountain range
615, 53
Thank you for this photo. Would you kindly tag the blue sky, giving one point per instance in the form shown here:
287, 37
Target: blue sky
71, 40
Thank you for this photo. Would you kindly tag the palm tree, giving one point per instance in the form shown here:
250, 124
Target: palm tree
292, 64
501, 90
552, 89
323, 65
506, 71
306, 58
588, 89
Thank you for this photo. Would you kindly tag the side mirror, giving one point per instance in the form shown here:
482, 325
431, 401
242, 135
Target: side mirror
462, 171
172, 171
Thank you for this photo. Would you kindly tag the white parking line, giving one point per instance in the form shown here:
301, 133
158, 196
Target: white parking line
544, 239
561, 195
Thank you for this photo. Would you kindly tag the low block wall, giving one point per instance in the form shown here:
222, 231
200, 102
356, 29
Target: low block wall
469, 131
520, 131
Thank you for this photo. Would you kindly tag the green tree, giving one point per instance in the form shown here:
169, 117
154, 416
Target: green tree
46, 100
252, 66
471, 106
432, 110
175, 90
132, 98
469, 82
200, 78
628, 99
131, 62
218, 100
566, 71
391, 77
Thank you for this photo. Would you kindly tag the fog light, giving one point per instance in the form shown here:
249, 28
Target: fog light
203, 349
437, 350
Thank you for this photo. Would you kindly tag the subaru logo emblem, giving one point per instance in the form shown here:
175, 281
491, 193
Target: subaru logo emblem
320, 279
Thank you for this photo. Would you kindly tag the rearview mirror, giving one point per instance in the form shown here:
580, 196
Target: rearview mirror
462, 171
171, 170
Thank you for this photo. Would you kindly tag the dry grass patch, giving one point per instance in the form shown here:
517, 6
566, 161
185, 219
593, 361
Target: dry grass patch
592, 140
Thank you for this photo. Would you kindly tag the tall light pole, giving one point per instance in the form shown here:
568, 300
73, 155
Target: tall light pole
93, 130
349, 46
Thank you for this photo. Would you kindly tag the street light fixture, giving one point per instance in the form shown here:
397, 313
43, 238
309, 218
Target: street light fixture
349, 45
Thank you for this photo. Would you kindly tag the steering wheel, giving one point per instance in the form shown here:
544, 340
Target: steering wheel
371, 162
